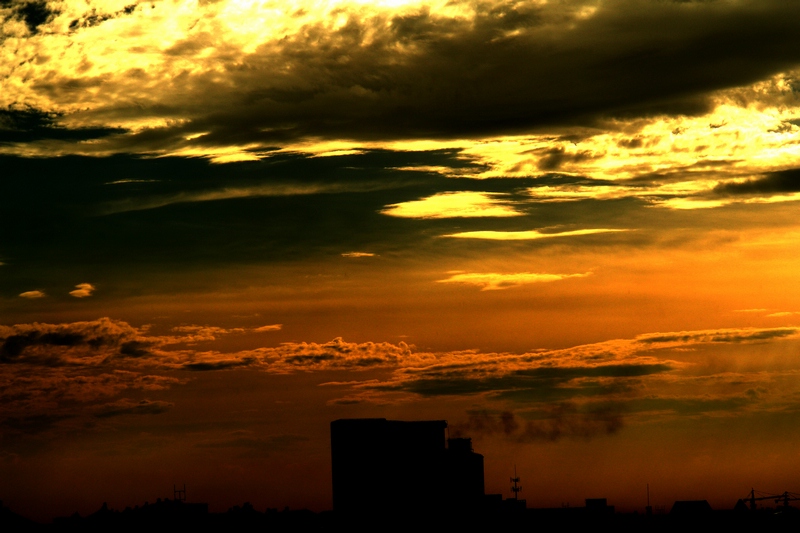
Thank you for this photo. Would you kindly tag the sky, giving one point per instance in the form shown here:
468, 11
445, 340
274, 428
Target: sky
567, 227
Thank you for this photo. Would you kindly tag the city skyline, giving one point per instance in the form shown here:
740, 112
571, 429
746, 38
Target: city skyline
568, 228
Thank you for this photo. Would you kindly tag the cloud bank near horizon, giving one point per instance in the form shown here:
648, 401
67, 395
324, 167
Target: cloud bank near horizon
92, 368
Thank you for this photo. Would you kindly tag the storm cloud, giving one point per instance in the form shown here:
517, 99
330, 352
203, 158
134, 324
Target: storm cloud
780, 182
467, 69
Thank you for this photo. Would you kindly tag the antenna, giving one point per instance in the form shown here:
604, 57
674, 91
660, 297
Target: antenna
179, 494
648, 510
516, 489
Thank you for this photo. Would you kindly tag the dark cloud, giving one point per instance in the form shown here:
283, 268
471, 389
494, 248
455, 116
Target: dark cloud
718, 336
134, 349
72, 343
780, 182
34, 13
111, 344
95, 18
618, 371
566, 420
170, 211
541, 383
219, 365
140, 220
549, 392
631, 143
34, 423
23, 125
486, 423
69, 392
129, 407
552, 158
514, 68
563, 420
14, 345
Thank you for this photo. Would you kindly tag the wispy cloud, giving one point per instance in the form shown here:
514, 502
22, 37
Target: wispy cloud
270, 327
192, 334
527, 235
495, 281
716, 336
357, 255
126, 181
455, 204
230, 193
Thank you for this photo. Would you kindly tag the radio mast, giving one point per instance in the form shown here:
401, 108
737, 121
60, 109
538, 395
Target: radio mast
515, 488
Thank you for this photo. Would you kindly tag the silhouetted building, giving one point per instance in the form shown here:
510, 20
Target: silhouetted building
741, 507
691, 508
10, 521
391, 465
463, 480
598, 506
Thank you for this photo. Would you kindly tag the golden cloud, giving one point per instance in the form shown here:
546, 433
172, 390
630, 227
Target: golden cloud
454, 204
495, 281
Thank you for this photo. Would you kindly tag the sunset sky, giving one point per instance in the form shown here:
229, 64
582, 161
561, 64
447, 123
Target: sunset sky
567, 227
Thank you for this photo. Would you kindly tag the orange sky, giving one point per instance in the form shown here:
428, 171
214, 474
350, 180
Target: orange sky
226, 224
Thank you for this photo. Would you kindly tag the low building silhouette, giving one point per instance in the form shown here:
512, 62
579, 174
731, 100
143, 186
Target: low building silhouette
599, 506
11, 521
691, 508
381, 465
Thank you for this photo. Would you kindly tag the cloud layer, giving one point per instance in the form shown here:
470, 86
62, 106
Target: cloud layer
55, 374
212, 74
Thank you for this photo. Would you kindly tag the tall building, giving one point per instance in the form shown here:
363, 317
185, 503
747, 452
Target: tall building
392, 465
